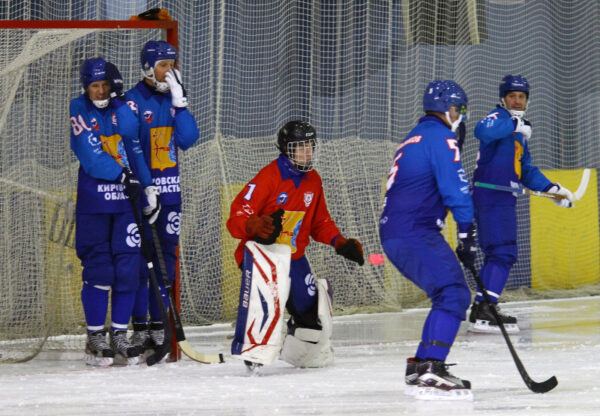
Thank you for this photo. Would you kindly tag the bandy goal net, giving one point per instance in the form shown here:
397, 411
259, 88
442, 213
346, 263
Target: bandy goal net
357, 72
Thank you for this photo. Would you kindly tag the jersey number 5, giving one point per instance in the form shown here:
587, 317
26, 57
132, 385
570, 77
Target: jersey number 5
393, 172
453, 145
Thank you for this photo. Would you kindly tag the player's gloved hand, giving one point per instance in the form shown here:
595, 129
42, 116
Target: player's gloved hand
133, 189
153, 208
350, 249
523, 126
266, 228
117, 97
466, 249
178, 93
567, 201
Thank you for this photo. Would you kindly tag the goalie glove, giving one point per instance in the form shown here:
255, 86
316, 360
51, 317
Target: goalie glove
178, 93
117, 97
350, 249
523, 126
266, 228
153, 197
133, 189
567, 201
466, 249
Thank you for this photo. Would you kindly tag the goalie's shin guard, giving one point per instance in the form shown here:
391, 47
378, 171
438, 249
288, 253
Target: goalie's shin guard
305, 347
263, 295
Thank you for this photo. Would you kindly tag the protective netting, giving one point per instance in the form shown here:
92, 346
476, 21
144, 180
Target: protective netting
356, 71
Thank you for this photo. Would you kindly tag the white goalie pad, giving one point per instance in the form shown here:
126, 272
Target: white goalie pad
263, 295
308, 348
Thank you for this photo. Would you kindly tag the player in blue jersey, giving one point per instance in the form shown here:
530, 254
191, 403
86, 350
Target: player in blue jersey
504, 159
426, 179
104, 139
165, 127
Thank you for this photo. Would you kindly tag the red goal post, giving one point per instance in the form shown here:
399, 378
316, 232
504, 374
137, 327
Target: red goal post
40, 309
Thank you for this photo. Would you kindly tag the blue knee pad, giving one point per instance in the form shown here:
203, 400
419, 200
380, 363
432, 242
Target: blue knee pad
454, 299
303, 292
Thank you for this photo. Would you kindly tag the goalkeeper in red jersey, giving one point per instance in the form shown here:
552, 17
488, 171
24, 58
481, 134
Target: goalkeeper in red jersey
274, 215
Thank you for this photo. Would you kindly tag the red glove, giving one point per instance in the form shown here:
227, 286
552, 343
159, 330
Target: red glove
350, 249
266, 228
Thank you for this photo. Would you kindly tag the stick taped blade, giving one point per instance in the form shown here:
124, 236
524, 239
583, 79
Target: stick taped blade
544, 386
198, 356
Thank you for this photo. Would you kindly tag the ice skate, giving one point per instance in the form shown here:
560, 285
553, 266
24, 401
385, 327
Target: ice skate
125, 353
97, 351
141, 340
436, 383
254, 369
411, 388
482, 320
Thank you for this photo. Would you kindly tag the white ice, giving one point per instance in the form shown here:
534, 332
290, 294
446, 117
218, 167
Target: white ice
558, 337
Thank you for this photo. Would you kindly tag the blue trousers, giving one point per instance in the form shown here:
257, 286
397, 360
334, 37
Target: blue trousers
497, 232
426, 259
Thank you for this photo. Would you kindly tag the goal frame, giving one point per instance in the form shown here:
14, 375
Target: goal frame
170, 28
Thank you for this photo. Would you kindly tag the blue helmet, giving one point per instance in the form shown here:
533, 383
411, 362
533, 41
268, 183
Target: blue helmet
441, 95
154, 51
91, 70
513, 83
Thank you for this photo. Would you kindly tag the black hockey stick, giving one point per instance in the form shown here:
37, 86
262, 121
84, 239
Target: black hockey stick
544, 386
160, 351
178, 327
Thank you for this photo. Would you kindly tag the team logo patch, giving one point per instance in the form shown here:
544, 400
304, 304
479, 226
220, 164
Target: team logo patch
133, 236
282, 198
94, 123
173, 223
309, 281
93, 140
308, 197
148, 116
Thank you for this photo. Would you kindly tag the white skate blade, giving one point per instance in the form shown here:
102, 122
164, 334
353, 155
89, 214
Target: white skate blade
411, 389
94, 361
148, 353
120, 360
435, 394
484, 327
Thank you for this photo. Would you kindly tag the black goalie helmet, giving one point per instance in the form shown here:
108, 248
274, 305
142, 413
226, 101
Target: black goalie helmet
298, 140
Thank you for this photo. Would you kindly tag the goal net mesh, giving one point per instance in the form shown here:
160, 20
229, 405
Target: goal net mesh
357, 72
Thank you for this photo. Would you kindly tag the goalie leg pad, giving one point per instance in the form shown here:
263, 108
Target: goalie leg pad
305, 347
263, 295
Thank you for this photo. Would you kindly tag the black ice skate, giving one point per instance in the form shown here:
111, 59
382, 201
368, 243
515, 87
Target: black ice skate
253, 368
97, 351
436, 383
411, 377
482, 320
125, 353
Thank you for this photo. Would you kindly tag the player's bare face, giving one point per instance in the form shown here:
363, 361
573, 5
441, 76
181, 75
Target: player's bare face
98, 90
515, 100
161, 68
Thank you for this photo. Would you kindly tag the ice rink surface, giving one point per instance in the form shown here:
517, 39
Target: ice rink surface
558, 337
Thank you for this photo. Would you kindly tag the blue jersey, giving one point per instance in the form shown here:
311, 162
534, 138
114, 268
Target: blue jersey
426, 178
105, 141
504, 159
163, 129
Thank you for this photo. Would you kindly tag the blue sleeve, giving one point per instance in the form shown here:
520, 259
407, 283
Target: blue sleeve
87, 146
186, 129
451, 178
495, 126
128, 125
531, 176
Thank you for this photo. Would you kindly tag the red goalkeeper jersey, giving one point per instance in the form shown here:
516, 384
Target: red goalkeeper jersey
301, 196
